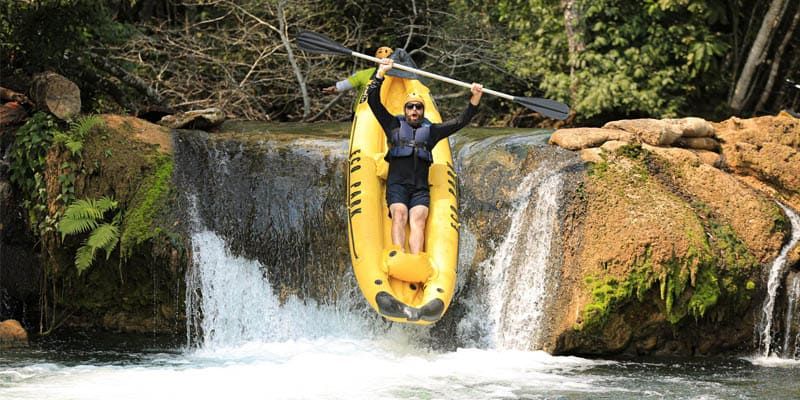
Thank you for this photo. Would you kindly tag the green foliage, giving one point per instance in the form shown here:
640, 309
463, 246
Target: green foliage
139, 220
705, 294
53, 34
609, 293
88, 215
82, 215
27, 167
73, 139
633, 151
648, 58
779, 223
597, 170
29, 161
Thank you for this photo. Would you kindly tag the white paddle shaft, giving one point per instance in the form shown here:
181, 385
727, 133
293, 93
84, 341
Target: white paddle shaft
433, 76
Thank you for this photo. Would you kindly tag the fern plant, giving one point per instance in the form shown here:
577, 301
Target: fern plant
88, 215
73, 138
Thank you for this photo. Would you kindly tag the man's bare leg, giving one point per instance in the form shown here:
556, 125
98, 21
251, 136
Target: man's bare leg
399, 219
416, 239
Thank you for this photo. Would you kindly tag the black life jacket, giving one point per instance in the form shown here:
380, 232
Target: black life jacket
407, 141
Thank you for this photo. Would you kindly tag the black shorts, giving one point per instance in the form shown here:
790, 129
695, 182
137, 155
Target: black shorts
408, 195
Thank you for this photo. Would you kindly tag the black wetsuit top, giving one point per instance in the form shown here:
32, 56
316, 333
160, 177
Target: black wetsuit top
402, 169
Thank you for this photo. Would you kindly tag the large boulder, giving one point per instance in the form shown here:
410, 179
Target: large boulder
582, 138
12, 334
693, 127
665, 257
651, 131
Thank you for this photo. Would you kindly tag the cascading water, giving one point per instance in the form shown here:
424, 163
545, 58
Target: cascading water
518, 273
791, 330
516, 285
776, 275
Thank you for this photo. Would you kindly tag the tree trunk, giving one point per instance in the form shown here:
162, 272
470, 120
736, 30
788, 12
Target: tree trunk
574, 41
126, 77
757, 53
56, 94
11, 113
299, 74
776, 63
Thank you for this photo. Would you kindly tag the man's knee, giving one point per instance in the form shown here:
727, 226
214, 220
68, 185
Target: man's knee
399, 212
419, 215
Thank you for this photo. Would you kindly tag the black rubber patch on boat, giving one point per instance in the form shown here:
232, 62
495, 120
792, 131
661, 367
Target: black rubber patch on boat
378, 282
432, 311
389, 306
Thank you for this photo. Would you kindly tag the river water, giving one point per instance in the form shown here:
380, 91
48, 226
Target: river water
255, 347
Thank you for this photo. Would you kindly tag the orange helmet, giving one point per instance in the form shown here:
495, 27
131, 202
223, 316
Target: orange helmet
383, 52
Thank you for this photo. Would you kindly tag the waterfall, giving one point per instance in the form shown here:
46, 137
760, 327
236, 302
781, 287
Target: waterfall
269, 249
521, 283
237, 305
508, 306
776, 275
269, 246
791, 330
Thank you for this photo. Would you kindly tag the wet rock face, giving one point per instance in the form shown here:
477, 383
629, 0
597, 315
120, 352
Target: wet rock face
275, 197
501, 179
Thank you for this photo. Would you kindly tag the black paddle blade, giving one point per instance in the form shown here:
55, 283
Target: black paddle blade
317, 43
548, 108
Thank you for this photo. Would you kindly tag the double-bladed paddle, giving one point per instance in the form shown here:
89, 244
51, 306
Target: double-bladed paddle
318, 43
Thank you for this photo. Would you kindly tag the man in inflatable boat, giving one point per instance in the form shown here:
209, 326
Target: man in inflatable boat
359, 80
412, 138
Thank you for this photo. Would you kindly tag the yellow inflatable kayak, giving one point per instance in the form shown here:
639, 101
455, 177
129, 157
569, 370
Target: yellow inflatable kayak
400, 286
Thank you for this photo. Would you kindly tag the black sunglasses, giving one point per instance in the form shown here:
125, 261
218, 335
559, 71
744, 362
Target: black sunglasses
412, 106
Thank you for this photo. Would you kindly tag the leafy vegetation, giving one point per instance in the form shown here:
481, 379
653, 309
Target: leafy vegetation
27, 166
607, 58
88, 215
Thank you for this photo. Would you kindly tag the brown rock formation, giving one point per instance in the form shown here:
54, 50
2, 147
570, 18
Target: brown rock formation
765, 148
651, 131
581, 138
12, 334
666, 251
196, 119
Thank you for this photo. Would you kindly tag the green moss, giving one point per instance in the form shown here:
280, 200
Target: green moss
779, 223
711, 270
138, 225
597, 170
605, 294
633, 151
706, 293
608, 292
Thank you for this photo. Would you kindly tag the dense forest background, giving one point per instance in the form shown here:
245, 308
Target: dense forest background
608, 59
